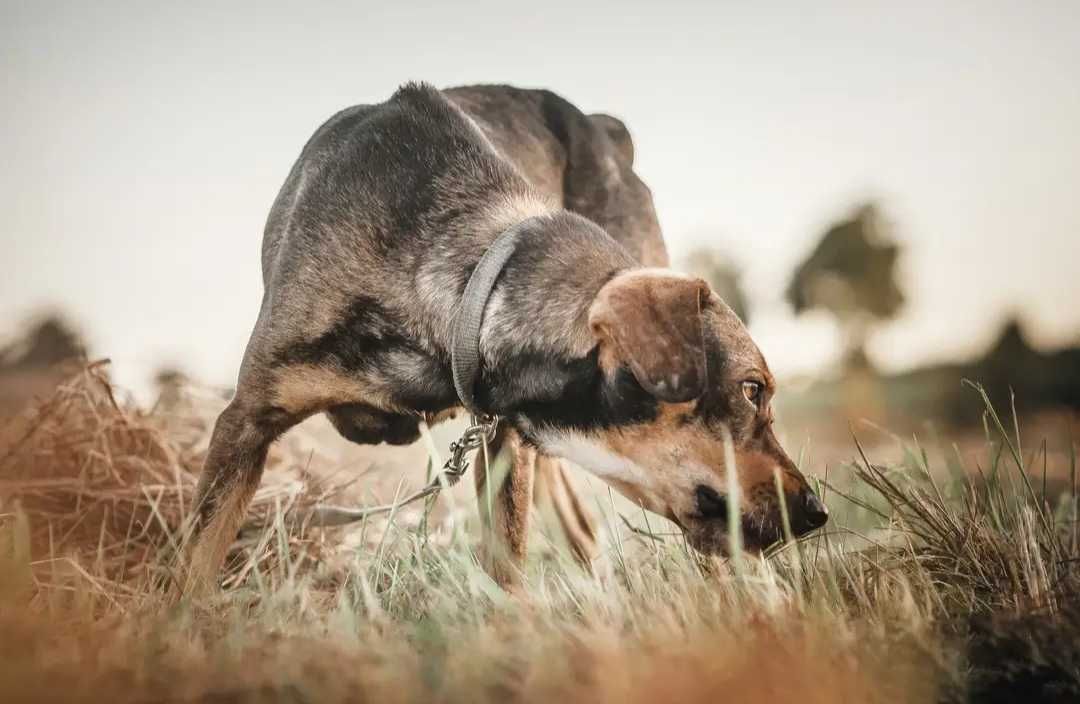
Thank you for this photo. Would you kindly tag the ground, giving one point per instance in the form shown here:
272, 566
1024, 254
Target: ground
943, 576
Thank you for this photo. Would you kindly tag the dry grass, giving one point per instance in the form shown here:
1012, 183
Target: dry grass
109, 487
927, 587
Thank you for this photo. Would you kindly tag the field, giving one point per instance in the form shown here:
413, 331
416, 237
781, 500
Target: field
942, 577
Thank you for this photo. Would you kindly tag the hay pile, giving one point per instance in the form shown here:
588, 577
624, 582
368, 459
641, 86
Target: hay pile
107, 487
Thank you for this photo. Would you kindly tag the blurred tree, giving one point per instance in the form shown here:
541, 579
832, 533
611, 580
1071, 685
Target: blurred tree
49, 341
1038, 379
36, 361
723, 275
851, 274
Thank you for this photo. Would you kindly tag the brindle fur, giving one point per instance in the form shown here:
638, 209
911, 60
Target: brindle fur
367, 251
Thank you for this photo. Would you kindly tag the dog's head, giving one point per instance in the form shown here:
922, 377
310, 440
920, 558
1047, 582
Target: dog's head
683, 392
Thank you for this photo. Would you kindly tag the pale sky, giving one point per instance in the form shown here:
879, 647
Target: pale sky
143, 145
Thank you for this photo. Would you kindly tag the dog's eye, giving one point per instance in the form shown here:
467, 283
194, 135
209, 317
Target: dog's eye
753, 391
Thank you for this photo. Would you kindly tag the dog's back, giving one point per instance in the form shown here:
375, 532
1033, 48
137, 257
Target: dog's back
529, 142
382, 175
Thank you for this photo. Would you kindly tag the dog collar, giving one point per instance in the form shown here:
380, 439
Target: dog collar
465, 347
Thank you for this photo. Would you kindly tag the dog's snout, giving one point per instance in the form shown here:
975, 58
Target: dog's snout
710, 504
811, 515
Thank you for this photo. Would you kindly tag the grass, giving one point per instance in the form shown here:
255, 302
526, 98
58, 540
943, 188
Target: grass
954, 583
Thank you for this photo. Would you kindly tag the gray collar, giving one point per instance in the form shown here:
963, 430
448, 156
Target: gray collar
465, 348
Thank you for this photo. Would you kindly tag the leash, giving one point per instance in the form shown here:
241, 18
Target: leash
480, 432
465, 369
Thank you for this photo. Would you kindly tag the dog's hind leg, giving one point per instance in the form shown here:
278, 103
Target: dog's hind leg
504, 490
553, 490
231, 473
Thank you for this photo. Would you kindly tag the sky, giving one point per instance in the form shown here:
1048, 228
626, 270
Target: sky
142, 146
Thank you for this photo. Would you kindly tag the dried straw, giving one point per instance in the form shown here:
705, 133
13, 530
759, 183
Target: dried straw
111, 486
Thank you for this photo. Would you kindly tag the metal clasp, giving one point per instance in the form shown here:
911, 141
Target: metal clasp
481, 430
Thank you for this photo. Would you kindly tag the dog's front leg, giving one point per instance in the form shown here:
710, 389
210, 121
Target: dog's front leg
504, 490
554, 491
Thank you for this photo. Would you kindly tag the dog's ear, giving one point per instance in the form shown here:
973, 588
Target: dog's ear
590, 155
651, 321
618, 134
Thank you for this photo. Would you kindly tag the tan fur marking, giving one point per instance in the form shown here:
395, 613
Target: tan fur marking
307, 388
608, 359
757, 469
552, 487
671, 448
214, 540
506, 540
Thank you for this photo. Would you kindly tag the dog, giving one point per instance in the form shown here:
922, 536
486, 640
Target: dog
590, 349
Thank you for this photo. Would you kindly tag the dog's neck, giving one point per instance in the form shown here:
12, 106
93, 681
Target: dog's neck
535, 342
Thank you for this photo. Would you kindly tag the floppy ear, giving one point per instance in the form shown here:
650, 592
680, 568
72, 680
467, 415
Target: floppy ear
589, 154
651, 321
618, 134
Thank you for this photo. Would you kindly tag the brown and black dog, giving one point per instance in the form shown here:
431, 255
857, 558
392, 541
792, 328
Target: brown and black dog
591, 350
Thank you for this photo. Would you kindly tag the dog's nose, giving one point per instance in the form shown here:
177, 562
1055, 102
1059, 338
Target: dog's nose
815, 514
710, 504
